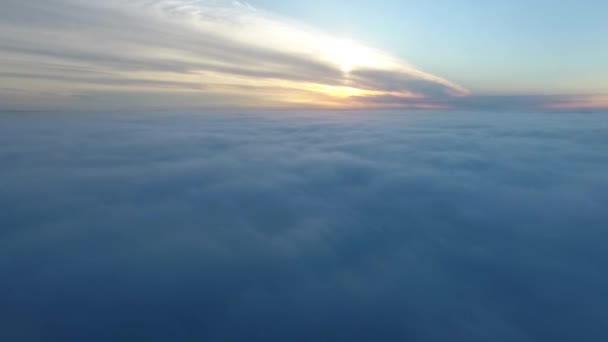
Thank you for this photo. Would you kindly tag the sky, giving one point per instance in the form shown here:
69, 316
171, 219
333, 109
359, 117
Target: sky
197, 54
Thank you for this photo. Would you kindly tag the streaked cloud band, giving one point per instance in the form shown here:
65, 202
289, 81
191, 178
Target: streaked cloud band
206, 53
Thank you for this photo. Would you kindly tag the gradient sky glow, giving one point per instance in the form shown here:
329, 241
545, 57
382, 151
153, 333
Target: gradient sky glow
117, 54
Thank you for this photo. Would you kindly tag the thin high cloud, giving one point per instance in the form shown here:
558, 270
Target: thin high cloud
489, 102
193, 53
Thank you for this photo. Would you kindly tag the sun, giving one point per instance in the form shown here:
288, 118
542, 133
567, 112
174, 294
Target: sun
348, 56
346, 67
345, 55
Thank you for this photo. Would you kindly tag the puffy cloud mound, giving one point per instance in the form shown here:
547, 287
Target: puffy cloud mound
326, 226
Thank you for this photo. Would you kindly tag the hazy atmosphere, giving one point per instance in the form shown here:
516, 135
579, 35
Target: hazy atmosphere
230, 171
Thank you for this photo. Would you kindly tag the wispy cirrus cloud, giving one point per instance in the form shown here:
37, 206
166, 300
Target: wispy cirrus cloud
195, 53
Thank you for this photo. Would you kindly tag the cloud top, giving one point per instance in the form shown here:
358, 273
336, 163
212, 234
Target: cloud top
319, 226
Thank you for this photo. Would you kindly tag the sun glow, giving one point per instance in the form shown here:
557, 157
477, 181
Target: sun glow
344, 92
348, 56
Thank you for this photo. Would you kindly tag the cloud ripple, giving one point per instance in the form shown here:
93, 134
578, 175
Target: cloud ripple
321, 226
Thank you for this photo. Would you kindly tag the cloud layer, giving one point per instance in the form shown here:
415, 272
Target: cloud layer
319, 226
194, 53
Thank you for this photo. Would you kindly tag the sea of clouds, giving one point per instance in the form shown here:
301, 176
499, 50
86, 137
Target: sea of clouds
303, 226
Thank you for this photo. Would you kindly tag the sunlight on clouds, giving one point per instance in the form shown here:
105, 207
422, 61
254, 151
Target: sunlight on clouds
165, 47
134, 54
342, 92
348, 55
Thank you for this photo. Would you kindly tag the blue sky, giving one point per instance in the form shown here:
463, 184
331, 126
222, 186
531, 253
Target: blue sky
166, 54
